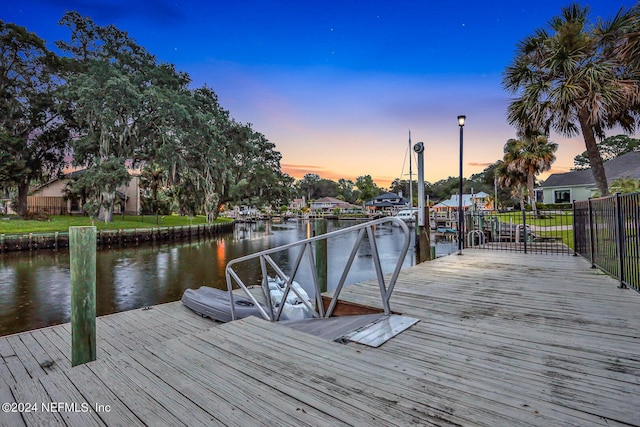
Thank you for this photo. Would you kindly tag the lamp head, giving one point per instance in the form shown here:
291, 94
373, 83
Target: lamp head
419, 147
461, 120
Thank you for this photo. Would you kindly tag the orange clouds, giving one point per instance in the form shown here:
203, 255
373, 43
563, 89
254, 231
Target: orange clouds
482, 165
299, 171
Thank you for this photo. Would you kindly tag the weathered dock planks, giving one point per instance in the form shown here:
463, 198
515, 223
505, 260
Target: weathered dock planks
503, 339
43, 351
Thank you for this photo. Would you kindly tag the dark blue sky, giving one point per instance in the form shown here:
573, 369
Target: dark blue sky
337, 85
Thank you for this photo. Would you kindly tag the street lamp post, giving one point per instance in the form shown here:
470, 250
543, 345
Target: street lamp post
461, 120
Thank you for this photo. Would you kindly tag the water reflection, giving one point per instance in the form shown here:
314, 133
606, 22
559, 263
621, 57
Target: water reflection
35, 286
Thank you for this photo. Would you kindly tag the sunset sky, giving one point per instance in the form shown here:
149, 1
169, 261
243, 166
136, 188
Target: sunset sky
337, 85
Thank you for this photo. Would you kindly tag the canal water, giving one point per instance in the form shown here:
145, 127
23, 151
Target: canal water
35, 286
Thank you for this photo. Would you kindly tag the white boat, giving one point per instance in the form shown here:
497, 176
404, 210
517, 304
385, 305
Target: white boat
294, 308
410, 216
216, 303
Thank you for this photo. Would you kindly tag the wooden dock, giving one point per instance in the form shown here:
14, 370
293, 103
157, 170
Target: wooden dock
503, 339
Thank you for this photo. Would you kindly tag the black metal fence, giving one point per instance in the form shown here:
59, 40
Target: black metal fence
548, 231
607, 233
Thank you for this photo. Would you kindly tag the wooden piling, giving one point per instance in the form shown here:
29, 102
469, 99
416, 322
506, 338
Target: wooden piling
423, 239
82, 252
321, 253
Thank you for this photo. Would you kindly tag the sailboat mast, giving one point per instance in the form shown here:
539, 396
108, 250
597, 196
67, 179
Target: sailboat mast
410, 174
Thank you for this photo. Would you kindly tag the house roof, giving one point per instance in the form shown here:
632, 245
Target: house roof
387, 200
387, 196
379, 204
328, 200
336, 202
466, 200
58, 178
627, 165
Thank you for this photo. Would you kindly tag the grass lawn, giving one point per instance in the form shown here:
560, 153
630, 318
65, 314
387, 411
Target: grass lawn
552, 226
566, 235
9, 225
551, 219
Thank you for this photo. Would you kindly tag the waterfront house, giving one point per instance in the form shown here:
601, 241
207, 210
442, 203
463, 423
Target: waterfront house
243, 212
388, 203
297, 204
476, 202
49, 198
445, 213
579, 185
329, 205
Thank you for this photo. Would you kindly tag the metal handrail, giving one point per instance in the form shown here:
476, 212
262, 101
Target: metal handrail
306, 247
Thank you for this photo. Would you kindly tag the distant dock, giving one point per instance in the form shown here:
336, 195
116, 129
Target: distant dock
503, 339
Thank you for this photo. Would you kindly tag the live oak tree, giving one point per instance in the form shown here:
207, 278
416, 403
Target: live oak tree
609, 148
253, 175
186, 196
222, 160
33, 133
122, 104
266, 183
444, 188
368, 188
194, 153
117, 109
346, 189
105, 177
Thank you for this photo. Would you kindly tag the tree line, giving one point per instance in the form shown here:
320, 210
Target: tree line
111, 107
313, 187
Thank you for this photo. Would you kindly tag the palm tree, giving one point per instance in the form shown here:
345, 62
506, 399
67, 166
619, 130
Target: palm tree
513, 179
627, 47
625, 185
491, 201
567, 80
153, 178
530, 155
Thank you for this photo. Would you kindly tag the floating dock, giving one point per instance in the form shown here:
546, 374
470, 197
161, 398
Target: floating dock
503, 339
